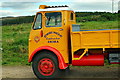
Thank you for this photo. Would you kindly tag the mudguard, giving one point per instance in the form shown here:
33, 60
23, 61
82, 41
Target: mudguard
62, 64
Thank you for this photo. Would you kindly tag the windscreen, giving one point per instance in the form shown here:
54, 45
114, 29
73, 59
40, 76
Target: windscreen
54, 19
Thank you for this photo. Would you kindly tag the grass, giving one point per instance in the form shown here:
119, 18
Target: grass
15, 44
15, 40
99, 25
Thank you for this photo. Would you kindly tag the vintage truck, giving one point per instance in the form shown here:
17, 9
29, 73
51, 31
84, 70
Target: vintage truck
56, 42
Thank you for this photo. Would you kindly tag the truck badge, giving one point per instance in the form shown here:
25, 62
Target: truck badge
37, 39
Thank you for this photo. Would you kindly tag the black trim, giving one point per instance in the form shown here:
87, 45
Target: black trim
35, 21
55, 6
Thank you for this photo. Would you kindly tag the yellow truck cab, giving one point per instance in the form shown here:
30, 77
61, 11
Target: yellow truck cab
56, 41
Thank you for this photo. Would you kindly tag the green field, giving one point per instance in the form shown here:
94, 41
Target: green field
15, 40
15, 44
100, 25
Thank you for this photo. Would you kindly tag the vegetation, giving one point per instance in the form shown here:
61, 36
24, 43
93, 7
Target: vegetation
17, 20
80, 17
99, 25
15, 44
15, 37
96, 16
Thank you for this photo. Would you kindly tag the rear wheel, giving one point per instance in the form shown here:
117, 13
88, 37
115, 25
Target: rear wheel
45, 65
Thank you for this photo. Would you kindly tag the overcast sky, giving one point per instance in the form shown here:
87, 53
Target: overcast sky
30, 7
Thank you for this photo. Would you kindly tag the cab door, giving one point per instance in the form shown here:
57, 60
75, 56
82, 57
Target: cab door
36, 34
55, 33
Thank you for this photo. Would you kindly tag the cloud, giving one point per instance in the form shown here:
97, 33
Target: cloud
18, 5
18, 8
22, 1
119, 5
57, 0
30, 8
6, 12
93, 6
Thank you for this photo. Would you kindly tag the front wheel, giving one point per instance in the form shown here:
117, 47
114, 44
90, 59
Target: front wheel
45, 65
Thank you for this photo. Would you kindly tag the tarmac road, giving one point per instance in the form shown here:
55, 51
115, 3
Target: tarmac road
75, 72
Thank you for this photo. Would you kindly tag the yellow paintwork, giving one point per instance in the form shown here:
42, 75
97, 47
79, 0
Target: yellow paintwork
94, 39
85, 51
42, 6
63, 44
79, 40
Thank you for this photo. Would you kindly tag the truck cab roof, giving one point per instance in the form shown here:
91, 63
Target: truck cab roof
54, 8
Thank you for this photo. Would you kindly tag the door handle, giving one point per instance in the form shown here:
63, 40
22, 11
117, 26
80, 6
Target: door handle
41, 33
61, 29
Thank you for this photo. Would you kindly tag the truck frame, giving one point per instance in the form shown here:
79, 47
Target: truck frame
56, 41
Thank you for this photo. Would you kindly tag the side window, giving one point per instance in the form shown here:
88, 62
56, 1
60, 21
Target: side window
71, 16
53, 19
38, 22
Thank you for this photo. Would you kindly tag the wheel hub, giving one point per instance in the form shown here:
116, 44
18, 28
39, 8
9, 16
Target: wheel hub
46, 67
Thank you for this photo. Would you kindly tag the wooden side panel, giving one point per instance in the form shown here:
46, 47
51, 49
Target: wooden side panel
76, 41
95, 39
115, 38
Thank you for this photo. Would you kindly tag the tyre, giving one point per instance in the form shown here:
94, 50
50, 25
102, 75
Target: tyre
45, 65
